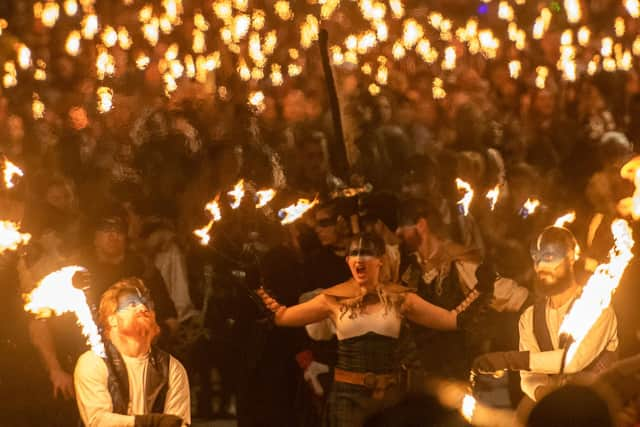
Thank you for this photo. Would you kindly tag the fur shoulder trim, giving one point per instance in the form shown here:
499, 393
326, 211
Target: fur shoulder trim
350, 289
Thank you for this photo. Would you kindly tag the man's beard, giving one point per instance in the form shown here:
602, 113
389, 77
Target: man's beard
561, 284
142, 326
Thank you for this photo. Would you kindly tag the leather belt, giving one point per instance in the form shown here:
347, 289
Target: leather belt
378, 383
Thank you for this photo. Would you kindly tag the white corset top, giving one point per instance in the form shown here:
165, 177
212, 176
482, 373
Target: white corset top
381, 323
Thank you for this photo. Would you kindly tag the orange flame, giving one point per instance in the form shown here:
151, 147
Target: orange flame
631, 205
11, 237
464, 203
264, 197
203, 233
293, 212
55, 295
352, 191
596, 294
214, 209
468, 407
10, 170
237, 194
529, 207
493, 195
567, 218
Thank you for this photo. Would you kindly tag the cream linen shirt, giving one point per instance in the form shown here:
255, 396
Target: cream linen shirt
544, 364
94, 401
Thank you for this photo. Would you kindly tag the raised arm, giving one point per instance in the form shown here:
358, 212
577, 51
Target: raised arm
314, 310
426, 314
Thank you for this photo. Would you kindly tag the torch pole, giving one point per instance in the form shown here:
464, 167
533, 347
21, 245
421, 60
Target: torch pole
339, 156
565, 344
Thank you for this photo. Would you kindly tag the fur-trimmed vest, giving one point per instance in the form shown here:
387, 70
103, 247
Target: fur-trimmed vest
157, 381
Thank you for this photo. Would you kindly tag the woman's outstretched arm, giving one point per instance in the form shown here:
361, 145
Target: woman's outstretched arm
314, 310
426, 314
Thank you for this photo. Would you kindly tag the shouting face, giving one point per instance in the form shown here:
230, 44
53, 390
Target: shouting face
364, 262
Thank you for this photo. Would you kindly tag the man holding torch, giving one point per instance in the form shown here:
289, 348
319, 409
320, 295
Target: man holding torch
137, 385
541, 356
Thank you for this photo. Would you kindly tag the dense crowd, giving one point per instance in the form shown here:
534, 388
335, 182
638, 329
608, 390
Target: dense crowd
121, 193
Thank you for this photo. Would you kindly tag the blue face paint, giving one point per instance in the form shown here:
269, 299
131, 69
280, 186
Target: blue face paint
551, 253
129, 300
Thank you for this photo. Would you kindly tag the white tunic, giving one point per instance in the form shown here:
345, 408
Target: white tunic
376, 320
602, 336
94, 401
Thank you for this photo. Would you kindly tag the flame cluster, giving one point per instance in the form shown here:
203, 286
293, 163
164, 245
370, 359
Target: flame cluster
253, 34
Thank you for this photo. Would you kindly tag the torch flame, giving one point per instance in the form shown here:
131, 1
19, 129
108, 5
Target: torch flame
293, 212
214, 209
105, 102
567, 218
464, 203
468, 407
633, 7
11, 237
264, 197
237, 194
596, 294
631, 205
203, 233
10, 170
493, 195
55, 295
529, 207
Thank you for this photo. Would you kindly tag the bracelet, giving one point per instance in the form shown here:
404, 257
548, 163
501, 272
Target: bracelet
473, 295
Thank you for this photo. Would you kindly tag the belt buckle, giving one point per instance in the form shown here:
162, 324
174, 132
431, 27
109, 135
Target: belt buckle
370, 380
